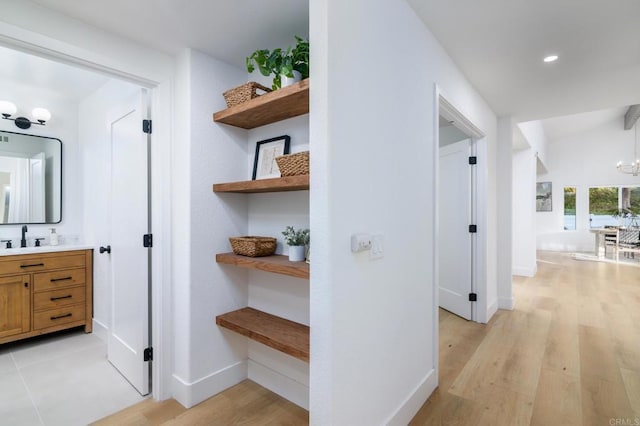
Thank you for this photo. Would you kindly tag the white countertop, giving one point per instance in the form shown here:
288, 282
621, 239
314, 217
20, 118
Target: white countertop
42, 249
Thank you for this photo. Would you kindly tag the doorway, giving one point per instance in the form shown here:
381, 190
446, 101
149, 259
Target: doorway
76, 119
461, 214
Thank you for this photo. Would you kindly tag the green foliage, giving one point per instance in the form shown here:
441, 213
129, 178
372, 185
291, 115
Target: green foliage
301, 237
603, 201
569, 201
280, 61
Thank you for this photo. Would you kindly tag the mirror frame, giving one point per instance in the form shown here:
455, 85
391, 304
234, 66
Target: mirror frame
61, 180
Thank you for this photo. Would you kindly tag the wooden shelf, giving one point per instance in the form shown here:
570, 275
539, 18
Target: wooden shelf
277, 264
287, 102
278, 333
281, 184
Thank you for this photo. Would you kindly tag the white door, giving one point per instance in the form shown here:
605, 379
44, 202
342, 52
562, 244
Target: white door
129, 221
454, 241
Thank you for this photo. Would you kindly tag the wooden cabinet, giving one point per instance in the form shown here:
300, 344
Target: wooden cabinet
45, 292
15, 313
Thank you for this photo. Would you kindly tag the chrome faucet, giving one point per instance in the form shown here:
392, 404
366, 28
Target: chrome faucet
23, 241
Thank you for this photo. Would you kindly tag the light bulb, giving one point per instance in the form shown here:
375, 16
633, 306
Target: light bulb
41, 114
7, 108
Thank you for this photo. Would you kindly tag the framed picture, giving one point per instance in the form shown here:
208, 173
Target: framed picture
543, 196
264, 164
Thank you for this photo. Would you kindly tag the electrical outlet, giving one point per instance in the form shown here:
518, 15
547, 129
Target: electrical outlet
377, 247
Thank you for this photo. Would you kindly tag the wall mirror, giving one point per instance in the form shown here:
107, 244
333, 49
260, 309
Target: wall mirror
30, 179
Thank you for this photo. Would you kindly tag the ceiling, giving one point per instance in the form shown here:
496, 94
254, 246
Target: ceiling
55, 78
497, 44
226, 30
559, 128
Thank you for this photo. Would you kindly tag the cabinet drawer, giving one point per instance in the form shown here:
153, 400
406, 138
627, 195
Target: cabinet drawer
57, 279
26, 264
54, 317
58, 298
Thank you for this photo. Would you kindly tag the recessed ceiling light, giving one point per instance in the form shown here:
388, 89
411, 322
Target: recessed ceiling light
550, 58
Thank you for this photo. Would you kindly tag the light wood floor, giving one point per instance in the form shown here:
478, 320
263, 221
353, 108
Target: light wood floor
568, 354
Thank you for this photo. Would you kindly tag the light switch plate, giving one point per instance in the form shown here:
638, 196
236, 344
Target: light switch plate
377, 247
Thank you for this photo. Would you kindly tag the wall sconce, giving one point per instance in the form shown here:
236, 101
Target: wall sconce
40, 115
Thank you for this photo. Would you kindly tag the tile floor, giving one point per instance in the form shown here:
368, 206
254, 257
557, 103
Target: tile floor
62, 379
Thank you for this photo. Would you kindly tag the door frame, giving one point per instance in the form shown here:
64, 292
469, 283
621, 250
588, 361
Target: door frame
446, 109
161, 93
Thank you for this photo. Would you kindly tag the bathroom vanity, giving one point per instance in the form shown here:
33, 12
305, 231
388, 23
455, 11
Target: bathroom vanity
45, 290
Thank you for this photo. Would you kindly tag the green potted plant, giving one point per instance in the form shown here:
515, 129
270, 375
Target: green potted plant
297, 242
291, 64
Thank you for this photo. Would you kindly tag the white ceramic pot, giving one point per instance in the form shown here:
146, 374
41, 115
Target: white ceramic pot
286, 81
296, 253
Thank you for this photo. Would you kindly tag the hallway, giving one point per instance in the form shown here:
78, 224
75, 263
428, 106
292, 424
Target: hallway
569, 352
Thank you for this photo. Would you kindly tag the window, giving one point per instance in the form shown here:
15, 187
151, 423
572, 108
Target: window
603, 204
614, 206
569, 208
630, 205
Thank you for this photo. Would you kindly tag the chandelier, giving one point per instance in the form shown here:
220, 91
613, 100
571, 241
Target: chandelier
632, 168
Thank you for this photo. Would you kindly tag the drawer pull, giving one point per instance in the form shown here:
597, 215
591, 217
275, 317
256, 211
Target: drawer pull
53, 280
61, 316
68, 296
33, 265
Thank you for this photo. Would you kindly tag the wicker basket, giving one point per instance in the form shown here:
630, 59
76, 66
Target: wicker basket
253, 246
294, 164
243, 93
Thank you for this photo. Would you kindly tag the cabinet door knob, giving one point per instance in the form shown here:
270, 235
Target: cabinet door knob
26, 285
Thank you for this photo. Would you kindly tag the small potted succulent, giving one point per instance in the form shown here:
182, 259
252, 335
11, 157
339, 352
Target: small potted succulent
286, 66
297, 242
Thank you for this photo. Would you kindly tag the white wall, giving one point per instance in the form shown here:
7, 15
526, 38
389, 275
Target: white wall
582, 160
64, 126
524, 212
279, 295
373, 333
207, 359
95, 146
527, 159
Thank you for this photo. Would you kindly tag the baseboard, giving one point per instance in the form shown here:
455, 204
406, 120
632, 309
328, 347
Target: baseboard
506, 303
523, 271
491, 310
100, 330
414, 401
280, 384
190, 394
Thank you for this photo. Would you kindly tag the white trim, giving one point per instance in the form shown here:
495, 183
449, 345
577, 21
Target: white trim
278, 383
100, 330
492, 309
480, 310
415, 400
162, 93
191, 393
505, 303
435, 273
525, 271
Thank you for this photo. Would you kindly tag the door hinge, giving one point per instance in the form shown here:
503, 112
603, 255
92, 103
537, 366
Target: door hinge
473, 297
146, 126
473, 228
148, 354
473, 160
147, 240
